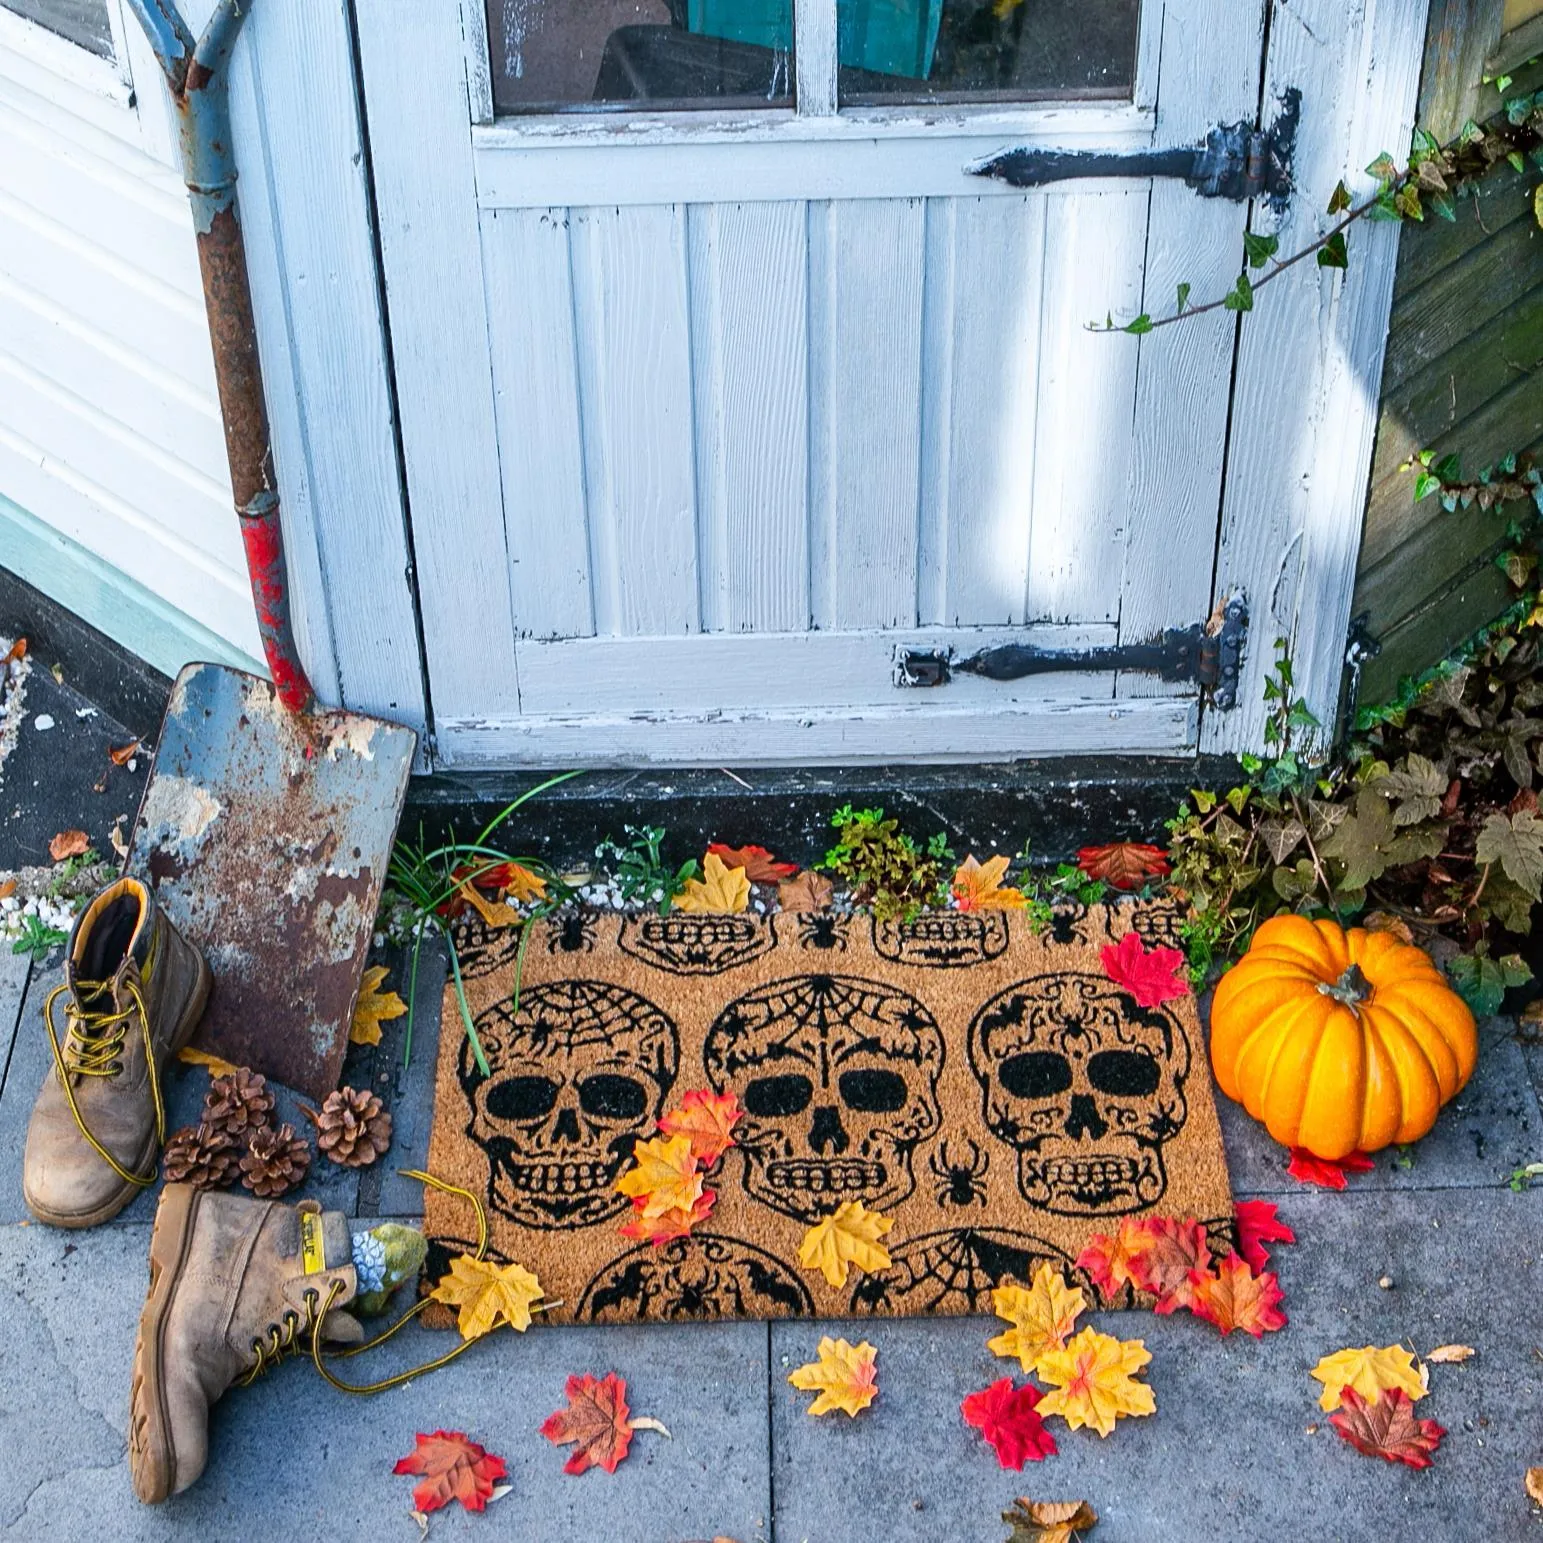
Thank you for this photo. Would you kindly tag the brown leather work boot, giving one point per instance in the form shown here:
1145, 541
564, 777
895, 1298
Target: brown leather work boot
236, 1284
134, 990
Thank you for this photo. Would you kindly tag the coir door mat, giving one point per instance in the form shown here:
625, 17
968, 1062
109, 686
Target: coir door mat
994, 1093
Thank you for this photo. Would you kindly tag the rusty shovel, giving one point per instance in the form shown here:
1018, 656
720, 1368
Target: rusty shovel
268, 821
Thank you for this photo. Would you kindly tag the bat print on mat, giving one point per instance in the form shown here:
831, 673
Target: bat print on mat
703, 1276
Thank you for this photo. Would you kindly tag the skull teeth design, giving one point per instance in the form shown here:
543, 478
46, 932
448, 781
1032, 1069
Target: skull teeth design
1087, 1086
838, 1080
558, 1178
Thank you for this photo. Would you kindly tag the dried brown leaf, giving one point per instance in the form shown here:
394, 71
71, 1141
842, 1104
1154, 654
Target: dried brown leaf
1534, 1483
810, 891
1444, 1355
67, 844
1048, 1521
121, 755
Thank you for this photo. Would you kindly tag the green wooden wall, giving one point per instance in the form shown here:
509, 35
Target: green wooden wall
1464, 372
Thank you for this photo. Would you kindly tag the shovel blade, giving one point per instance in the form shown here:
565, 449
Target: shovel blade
266, 835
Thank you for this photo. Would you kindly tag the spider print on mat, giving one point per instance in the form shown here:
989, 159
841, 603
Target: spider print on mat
963, 1177
696, 942
575, 1077
838, 1080
1087, 1086
705, 1276
824, 931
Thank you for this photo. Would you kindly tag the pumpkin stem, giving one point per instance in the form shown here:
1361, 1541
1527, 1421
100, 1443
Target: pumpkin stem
1352, 988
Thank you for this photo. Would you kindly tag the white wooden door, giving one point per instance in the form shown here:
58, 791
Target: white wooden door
704, 413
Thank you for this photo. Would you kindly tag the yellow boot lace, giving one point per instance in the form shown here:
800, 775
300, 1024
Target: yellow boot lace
93, 1047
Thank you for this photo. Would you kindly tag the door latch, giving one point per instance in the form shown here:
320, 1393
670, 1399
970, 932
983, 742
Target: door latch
1237, 161
1209, 659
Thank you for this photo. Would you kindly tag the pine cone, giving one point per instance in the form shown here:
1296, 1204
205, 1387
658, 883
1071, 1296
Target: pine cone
353, 1127
238, 1104
276, 1160
201, 1157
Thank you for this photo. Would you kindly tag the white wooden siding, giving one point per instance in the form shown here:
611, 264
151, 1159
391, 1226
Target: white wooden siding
109, 423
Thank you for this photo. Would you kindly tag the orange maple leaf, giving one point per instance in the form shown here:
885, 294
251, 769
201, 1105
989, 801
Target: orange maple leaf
979, 887
668, 1225
1106, 1261
596, 1422
1235, 1298
1173, 1251
704, 1119
1387, 1428
759, 865
664, 1177
453, 1468
1124, 864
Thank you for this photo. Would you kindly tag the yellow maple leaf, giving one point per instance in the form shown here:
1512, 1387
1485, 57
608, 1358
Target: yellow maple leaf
978, 887
1370, 1372
496, 913
218, 1065
1042, 1315
845, 1377
373, 1008
720, 888
1092, 1382
487, 1294
522, 883
665, 1176
849, 1236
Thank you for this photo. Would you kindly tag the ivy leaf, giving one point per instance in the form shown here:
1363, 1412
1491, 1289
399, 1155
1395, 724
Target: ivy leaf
1339, 199
452, 1468
1138, 324
845, 1376
1407, 201
1259, 249
1384, 169
1518, 162
1334, 253
1042, 1315
1482, 982
1007, 1418
721, 889
1257, 1224
849, 1236
1281, 837
1425, 485
597, 1423
1537, 206
1443, 205
487, 1294
1242, 296
1388, 1429
1368, 1372
1516, 843
1184, 288
1233, 1297
373, 1008
1093, 1383
1058, 1521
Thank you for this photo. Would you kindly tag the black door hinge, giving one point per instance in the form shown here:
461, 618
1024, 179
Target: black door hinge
1209, 658
1236, 161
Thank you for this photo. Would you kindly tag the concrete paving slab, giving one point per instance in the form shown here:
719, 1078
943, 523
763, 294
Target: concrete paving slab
1229, 1453
1491, 1127
14, 969
337, 1188
292, 1458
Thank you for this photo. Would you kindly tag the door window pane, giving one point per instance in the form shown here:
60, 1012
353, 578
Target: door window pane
81, 21
894, 51
559, 55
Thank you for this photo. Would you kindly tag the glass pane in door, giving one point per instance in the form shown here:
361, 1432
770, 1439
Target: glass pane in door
81, 21
643, 55
897, 51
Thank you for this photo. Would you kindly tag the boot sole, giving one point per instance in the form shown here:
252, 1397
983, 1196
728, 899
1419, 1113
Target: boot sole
78, 1220
152, 1455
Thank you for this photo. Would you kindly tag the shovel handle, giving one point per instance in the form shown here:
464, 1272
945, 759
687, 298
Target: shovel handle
196, 78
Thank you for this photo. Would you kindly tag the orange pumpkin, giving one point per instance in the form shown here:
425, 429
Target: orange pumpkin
1339, 1041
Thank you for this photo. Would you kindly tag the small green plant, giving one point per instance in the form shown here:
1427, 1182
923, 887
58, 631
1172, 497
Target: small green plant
37, 938
1042, 891
1521, 1178
66, 872
884, 868
426, 882
639, 868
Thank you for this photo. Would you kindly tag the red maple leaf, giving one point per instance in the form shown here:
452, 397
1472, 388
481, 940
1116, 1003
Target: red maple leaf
1151, 977
1106, 1261
1388, 1428
705, 1119
1258, 1225
1006, 1417
1233, 1297
759, 865
453, 1468
596, 1421
674, 1223
1173, 1252
1308, 1169
1124, 864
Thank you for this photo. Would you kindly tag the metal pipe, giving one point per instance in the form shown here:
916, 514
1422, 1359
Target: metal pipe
197, 78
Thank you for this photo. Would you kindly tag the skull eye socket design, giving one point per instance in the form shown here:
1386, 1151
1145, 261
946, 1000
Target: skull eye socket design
609, 1097
838, 1078
873, 1091
1039, 1074
775, 1098
523, 1098
1124, 1073
1087, 1086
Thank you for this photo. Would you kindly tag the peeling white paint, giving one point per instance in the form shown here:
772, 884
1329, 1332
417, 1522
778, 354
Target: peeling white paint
179, 810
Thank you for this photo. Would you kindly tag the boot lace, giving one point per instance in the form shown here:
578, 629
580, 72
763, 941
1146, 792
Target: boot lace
292, 1334
93, 1047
